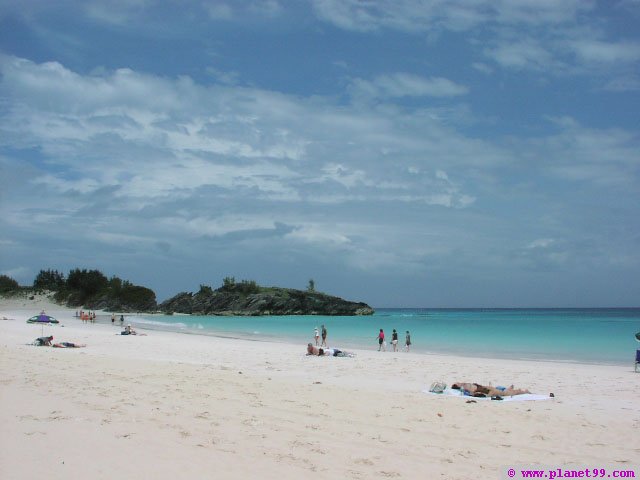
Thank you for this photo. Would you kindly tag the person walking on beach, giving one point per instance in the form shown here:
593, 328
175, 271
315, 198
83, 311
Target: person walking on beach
381, 342
121, 320
324, 336
316, 335
394, 340
407, 341
113, 319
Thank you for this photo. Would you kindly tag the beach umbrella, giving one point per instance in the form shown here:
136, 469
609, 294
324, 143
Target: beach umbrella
42, 319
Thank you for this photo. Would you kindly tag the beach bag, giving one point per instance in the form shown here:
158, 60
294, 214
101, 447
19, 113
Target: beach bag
437, 387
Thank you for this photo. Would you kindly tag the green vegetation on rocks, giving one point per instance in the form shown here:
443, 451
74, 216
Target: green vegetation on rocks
91, 289
248, 298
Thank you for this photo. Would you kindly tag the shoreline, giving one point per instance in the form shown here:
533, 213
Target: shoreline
291, 341
174, 406
43, 301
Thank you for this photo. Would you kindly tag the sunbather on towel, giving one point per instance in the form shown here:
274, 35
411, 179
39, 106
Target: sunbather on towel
68, 345
477, 390
331, 352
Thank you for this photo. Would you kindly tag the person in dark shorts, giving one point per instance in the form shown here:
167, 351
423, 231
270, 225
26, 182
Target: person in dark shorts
381, 342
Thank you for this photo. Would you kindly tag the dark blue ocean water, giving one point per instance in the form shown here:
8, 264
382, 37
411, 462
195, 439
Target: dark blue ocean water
576, 335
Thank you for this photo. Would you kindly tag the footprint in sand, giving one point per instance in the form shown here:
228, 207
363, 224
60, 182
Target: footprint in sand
389, 474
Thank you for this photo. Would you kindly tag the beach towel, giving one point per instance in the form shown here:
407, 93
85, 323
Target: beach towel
525, 397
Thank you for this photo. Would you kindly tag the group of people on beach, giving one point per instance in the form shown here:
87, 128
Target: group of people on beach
321, 349
87, 316
321, 346
382, 343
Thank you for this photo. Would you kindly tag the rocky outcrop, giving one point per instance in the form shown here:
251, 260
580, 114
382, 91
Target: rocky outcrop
268, 301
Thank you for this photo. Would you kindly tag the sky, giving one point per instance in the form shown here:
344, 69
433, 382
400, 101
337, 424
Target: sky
404, 153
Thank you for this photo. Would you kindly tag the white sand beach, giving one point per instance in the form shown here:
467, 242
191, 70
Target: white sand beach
168, 405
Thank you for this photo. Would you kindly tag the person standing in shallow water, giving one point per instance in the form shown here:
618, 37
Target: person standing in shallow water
316, 335
381, 341
407, 341
324, 336
394, 340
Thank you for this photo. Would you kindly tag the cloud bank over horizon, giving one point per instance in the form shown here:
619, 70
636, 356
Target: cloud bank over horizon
412, 153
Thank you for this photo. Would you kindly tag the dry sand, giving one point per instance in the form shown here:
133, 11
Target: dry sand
167, 406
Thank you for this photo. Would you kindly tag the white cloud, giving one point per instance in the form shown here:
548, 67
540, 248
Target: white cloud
539, 12
541, 243
577, 153
218, 10
117, 12
399, 85
442, 175
319, 234
344, 175
150, 139
602, 52
455, 15
266, 8
625, 83
482, 68
538, 35
226, 164
523, 54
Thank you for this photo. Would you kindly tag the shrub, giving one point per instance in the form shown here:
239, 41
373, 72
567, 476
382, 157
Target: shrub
245, 287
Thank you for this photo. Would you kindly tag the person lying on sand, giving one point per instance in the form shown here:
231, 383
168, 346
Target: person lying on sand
68, 345
330, 352
477, 390
43, 341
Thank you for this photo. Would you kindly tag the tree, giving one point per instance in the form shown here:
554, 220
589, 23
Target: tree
8, 284
87, 283
228, 283
49, 280
312, 286
137, 297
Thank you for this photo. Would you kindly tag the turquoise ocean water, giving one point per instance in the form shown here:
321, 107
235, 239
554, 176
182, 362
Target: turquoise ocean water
604, 336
